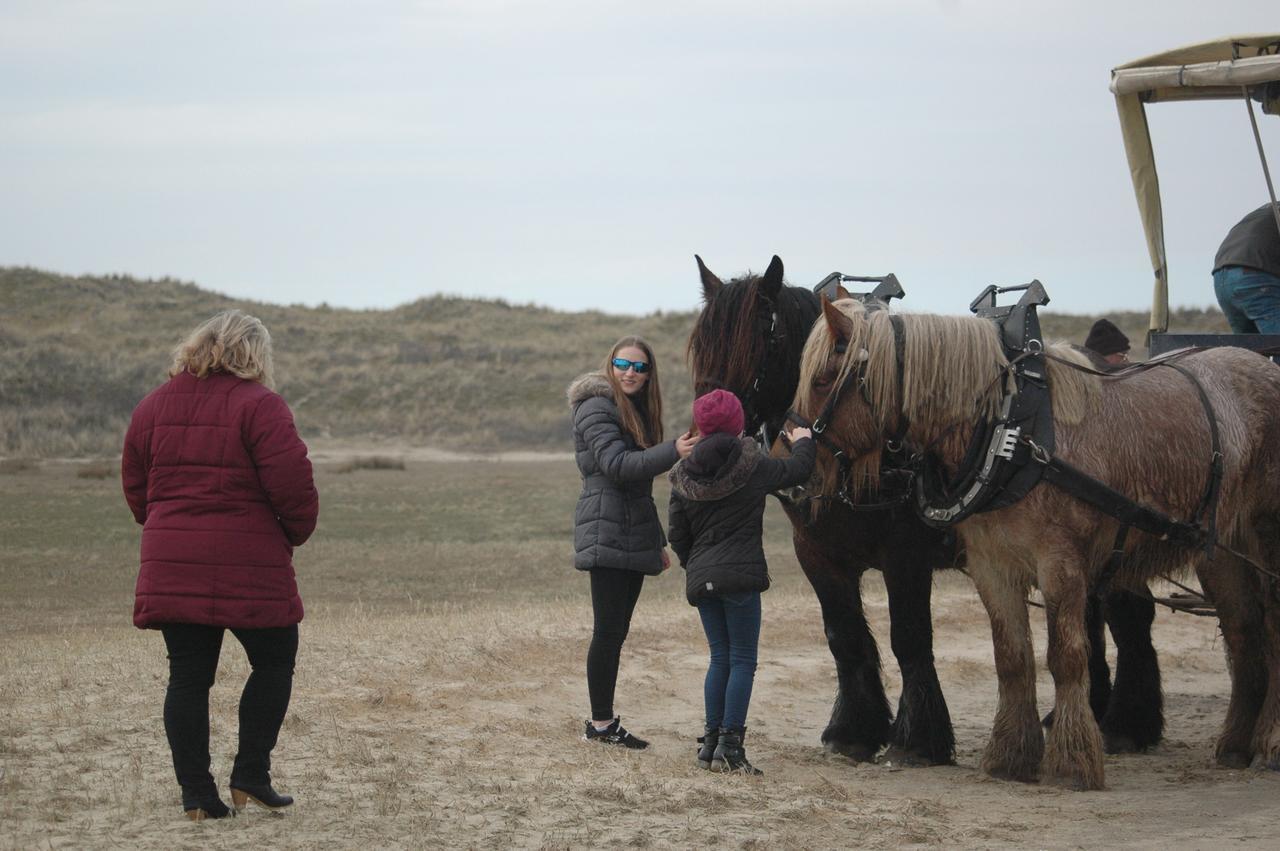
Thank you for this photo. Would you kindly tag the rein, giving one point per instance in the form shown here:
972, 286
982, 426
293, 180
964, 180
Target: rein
893, 461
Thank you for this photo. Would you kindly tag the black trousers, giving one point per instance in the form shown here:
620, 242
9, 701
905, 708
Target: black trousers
193, 660
613, 599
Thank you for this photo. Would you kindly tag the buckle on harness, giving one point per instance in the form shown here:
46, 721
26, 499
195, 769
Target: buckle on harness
1006, 440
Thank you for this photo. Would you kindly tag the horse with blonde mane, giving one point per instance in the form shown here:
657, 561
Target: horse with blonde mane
1145, 435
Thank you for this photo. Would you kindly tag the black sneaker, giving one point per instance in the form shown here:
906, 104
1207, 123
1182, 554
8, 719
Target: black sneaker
614, 734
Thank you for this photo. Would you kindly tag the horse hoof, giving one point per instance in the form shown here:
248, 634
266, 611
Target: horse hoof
1261, 763
1073, 783
1234, 759
851, 750
1118, 743
1013, 775
904, 758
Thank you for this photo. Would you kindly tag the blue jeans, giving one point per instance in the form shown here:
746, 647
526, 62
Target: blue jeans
1249, 298
732, 625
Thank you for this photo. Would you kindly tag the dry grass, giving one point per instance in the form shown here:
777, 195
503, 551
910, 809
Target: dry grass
98, 470
370, 462
439, 698
77, 353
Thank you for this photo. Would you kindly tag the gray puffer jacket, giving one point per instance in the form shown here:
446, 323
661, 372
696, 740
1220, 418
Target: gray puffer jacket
616, 523
717, 511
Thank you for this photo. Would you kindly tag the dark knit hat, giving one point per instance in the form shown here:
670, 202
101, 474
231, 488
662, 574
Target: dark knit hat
1106, 339
718, 411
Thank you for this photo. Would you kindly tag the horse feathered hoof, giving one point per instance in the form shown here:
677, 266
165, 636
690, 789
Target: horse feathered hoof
1115, 743
1234, 759
851, 750
907, 758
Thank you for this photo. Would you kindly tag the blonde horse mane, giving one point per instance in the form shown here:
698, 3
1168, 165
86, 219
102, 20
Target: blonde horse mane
964, 385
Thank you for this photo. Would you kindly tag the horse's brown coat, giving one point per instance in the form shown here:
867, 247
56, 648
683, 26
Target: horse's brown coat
1145, 435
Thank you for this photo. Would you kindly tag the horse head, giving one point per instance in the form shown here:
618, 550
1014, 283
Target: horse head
747, 339
849, 389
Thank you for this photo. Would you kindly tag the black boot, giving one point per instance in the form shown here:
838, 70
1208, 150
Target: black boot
708, 741
262, 795
201, 804
730, 755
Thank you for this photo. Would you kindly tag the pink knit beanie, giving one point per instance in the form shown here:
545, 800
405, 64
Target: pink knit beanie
718, 411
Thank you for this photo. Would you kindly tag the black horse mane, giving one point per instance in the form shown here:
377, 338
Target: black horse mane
731, 336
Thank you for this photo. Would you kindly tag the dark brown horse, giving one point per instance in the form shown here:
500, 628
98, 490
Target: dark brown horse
749, 338
1148, 436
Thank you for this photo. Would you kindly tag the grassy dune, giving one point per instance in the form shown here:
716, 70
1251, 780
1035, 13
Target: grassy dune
76, 355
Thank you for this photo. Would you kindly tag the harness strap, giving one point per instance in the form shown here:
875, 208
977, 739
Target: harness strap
1112, 565
1111, 502
1209, 501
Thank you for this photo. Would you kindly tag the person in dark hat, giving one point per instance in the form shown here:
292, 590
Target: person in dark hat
1108, 342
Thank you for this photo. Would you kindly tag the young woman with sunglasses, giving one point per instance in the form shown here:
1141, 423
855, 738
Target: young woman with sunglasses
617, 537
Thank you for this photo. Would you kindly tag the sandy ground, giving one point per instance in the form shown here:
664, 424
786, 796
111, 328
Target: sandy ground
462, 729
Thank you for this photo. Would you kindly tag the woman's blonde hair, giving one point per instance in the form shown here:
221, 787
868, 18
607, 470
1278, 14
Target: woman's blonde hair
643, 422
231, 341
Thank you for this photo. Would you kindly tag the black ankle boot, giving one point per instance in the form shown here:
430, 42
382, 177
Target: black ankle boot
262, 795
708, 741
730, 755
199, 806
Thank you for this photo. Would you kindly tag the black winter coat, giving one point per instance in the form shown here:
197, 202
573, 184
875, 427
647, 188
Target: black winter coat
615, 523
717, 511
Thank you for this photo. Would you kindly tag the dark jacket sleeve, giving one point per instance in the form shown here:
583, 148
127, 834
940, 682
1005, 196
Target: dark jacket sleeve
133, 465
678, 534
789, 472
597, 421
283, 467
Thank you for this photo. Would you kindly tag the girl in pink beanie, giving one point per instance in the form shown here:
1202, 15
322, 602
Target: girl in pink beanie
716, 516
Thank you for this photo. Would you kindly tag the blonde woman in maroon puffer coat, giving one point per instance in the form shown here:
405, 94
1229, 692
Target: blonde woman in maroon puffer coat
217, 475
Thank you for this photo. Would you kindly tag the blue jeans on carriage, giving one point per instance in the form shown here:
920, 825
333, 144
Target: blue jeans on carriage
1249, 298
732, 625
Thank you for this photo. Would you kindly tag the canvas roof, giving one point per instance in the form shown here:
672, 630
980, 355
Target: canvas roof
1208, 70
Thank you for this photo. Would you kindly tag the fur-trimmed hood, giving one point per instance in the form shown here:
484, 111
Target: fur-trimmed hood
723, 481
585, 386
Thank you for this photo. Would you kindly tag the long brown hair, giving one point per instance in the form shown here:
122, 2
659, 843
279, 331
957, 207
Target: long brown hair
646, 428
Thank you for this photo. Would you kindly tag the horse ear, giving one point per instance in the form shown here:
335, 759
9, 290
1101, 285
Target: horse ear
841, 292
710, 283
840, 326
771, 283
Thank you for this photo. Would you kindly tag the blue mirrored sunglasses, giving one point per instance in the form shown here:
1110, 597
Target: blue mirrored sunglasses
622, 365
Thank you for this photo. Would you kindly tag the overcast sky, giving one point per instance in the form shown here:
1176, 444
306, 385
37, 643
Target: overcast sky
578, 153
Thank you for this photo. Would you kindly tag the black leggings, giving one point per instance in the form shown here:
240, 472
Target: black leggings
613, 599
193, 661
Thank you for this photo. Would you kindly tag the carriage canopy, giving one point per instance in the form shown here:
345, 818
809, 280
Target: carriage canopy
1226, 68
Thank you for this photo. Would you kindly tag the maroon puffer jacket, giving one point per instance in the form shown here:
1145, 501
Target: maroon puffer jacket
215, 472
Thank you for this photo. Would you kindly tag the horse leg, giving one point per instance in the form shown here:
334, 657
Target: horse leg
1017, 742
859, 725
1267, 737
1240, 618
1099, 671
922, 732
1073, 752
1267, 730
1134, 716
